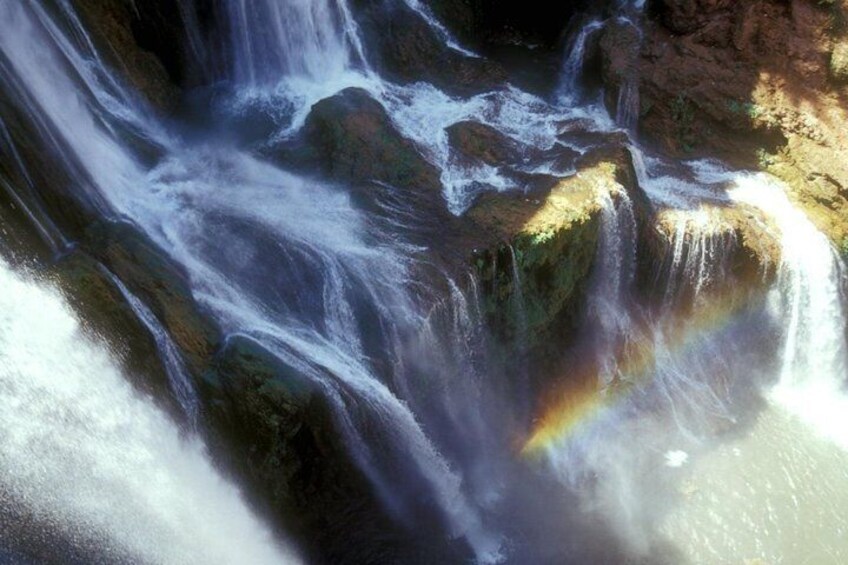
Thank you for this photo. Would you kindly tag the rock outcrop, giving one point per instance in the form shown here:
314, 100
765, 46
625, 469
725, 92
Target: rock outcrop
754, 83
544, 246
354, 139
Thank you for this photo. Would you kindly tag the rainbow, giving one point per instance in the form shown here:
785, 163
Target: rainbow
578, 398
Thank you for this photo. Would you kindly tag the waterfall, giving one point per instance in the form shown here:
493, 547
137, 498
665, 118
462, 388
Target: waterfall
89, 460
310, 39
808, 297
572, 68
613, 279
328, 263
385, 322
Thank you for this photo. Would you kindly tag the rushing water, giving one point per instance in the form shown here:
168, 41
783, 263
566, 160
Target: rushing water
698, 440
88, 462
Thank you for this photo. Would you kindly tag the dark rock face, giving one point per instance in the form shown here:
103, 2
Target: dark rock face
108, 316
491, 22
619, 48
687, 16
406, 49
354, 139
143, 39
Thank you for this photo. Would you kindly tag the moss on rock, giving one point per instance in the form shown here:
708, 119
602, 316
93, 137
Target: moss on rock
535, 273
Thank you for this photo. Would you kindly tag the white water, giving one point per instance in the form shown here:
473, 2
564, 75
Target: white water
177, 202
271, 39
84, 455
612, 282
182, 201
572, 68
809, 299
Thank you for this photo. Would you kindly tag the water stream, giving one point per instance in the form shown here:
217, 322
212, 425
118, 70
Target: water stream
709, 429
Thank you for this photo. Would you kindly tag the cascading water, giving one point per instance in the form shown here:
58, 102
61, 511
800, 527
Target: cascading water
298, 38
328, 245
296, 266
572, 68
88, 462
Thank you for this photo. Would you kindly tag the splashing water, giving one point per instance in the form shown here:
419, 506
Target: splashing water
82, 454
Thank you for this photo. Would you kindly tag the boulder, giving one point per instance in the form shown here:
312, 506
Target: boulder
479, 142
353, 138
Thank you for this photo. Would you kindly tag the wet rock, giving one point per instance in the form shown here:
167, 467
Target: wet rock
143, 41
353, 138
476, 141
152, 276
409, 50
252, 396
110, 318
273, 427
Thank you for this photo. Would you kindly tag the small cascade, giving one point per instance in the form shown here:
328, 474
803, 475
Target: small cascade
700, 247
306, 39
572, 68
178, 376
628, 104
421, 8
612, 281
518, 298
